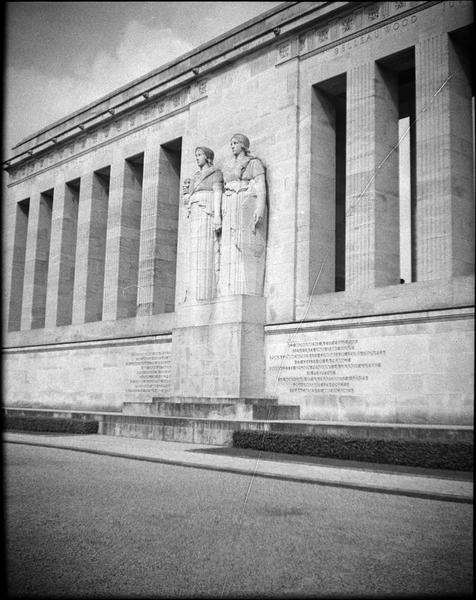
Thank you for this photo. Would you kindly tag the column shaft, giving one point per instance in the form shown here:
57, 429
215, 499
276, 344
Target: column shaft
122, 244
323, 194
150, 298
372, 230
158, 250
17, 263
444, 212
59, 300
90, 253
36, 262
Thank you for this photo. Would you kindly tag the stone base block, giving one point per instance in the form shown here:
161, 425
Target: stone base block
246, 409
218, 349
219, 432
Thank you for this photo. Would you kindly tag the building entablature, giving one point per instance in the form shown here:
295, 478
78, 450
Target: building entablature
296, 31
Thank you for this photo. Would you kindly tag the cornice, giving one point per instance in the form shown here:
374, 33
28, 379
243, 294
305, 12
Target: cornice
295, 29
187, 70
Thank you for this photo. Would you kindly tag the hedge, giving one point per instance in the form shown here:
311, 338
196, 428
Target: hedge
456, 456
50, 424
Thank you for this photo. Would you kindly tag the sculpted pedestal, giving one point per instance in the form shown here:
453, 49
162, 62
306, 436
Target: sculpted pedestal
218, 349
218, 341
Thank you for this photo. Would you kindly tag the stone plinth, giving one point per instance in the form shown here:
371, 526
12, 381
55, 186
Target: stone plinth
218, 349
209, 408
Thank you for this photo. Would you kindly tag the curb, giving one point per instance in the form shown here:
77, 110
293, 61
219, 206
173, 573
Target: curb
442, 496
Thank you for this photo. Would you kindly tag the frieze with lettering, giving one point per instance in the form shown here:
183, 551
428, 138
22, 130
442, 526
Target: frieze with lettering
349, 25
158, 109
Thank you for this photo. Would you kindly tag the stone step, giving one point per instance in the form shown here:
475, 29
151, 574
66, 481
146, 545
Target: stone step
280, 412
208, 400
220, 431
205, 410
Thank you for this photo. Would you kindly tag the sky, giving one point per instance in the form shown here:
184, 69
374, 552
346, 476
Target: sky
60, 56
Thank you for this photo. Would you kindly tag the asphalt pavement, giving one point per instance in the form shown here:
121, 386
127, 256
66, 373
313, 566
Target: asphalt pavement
83, 525
453, 486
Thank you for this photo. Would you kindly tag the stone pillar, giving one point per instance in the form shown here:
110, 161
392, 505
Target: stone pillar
122, 244
36, 262
158, 236
372, 225
59, 298
17, 275
323, 194
90, 253
148, 293
444, 212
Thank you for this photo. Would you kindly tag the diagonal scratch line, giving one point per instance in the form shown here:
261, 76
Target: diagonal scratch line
300, 323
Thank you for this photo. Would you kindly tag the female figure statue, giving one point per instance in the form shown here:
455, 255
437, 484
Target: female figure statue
243, 243
202, 195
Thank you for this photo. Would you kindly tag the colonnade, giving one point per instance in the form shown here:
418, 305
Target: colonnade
102, 246
374, 94
99, 247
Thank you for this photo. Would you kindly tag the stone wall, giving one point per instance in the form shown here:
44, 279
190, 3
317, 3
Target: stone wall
95, 232
89, 376
407, 368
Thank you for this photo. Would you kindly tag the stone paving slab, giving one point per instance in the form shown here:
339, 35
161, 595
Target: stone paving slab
451, 486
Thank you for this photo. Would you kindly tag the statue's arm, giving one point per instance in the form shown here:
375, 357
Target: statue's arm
217, 199
186, 190
260, 188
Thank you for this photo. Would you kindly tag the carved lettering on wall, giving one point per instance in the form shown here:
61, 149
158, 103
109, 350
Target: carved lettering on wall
284, 50
350, 24
149, 373
373, 13
346, 24
324, 367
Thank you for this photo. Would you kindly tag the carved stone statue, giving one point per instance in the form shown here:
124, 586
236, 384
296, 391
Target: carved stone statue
243, 239
202, 194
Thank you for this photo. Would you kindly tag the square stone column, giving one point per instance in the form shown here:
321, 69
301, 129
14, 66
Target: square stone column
15, 264
59, 298
158, 235
218, 349
122, 244
323, 194
372, 207
444, 211
36, 262
91, 251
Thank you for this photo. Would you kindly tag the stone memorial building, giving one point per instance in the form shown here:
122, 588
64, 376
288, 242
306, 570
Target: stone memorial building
273, 231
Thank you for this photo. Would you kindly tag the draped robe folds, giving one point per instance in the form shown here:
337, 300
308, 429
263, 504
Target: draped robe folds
243, 246
202, 255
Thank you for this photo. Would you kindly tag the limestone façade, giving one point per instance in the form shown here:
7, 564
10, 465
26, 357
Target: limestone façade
97, 250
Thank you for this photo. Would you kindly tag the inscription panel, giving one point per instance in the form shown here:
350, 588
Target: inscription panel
149, 372
398, 372
324, 366
87, 376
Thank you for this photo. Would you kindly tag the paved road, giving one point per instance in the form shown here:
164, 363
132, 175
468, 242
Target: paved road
82, 525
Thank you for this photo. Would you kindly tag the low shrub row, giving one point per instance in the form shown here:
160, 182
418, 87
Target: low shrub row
49, 424
456, 456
